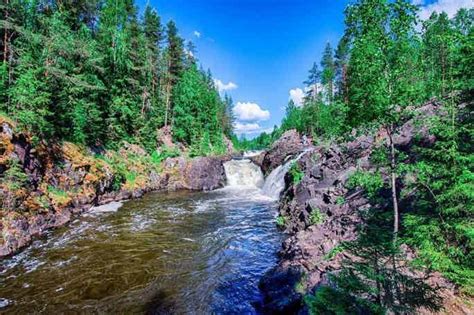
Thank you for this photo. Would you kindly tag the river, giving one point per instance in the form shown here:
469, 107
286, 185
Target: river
167, 253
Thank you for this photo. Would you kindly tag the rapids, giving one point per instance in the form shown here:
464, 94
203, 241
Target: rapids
171, 253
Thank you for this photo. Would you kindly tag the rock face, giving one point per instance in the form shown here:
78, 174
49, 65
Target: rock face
289, 144
202, 173
308, 253
47, 185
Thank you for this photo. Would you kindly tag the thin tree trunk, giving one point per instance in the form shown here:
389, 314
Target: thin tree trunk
394, 285
5, 35
168, 88
344, 84
393, 183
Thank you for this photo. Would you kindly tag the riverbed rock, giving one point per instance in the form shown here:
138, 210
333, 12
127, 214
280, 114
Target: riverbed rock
287, 145
201, 173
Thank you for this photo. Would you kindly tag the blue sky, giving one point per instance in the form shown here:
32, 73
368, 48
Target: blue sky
263, 47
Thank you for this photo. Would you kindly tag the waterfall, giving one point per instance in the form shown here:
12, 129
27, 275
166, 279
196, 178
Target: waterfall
275, 181
243, 173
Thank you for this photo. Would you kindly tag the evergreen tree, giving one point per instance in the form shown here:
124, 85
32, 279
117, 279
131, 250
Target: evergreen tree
341, 61
312, 83
175, 66
329, 72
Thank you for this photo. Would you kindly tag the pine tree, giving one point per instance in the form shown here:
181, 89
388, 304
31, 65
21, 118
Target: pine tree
329, 72
438, 48
312, 83
342, 59
175, 66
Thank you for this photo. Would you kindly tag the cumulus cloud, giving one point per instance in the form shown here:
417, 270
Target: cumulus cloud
448, 6
197, 34
250, 112
249, 128
297, 96
240, 128
221, 86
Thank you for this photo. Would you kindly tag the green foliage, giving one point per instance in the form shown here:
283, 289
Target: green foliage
316, 217
14, 177
280, 221
444, 177
370, 182
340, 200
376, 281
158, 156
198, 112
296, 173
334, 251
93, 73
332, 301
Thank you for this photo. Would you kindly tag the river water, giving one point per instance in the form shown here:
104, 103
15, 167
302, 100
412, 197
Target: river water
167, 253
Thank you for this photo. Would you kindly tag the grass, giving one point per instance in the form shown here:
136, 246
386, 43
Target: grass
58, 196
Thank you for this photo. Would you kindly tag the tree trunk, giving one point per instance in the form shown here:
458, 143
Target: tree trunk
393, 165
344, 84
5, 35
168, 91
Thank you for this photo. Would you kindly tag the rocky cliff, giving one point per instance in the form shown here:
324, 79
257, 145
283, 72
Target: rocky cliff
44, 185
321, 211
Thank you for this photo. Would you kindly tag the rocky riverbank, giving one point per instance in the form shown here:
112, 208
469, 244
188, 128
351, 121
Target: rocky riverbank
44, 186
310, 253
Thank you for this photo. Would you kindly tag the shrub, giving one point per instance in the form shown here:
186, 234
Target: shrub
280, 221
316, 217
296, 173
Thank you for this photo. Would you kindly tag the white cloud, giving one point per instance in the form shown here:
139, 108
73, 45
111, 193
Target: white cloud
250, 112
249, 128
451, 7
221, 86
297, 96
197, 34
240, 128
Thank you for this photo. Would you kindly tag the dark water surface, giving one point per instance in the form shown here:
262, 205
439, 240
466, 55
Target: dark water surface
177, 253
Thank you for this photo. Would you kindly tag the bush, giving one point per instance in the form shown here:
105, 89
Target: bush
280, 221
316, 217
296, 173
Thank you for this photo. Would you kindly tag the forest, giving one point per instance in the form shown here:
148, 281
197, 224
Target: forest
106, 80
97, 73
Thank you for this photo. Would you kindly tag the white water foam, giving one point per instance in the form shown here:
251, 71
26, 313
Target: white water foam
243, 173
275, 181
109, 207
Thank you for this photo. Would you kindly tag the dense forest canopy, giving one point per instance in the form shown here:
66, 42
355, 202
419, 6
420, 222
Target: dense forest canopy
98, 73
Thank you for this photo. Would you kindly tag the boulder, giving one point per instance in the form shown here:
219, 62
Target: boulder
202, 173
289, 144
205, 173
